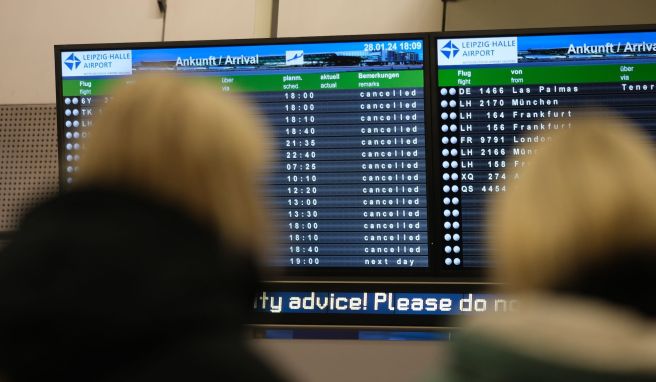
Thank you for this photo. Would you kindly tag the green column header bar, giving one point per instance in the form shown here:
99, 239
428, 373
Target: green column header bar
275, 82
538, 75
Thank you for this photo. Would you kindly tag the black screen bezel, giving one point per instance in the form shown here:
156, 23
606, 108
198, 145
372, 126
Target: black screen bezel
435, 278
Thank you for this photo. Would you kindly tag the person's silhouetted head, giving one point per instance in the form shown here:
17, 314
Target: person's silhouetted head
581, 214
184, 142
145, 270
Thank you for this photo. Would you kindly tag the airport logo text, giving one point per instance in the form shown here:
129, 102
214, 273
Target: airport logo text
97, 63
478, 51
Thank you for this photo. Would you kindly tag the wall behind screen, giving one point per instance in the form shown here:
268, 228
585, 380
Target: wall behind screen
341, 17
212, 20
30, 28
503, 14
344, 17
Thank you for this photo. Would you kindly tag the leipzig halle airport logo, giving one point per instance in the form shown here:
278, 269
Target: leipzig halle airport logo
72, 62
449, 50
294, 57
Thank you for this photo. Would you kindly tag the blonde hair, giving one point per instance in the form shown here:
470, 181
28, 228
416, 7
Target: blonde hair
181, 141
583, 198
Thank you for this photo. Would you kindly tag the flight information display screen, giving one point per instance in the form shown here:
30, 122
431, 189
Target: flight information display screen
349, 186
496, 92
387, 149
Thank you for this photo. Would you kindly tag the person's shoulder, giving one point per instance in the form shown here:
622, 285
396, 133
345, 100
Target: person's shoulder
564, 338
73, 205
94, 211
117, 226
